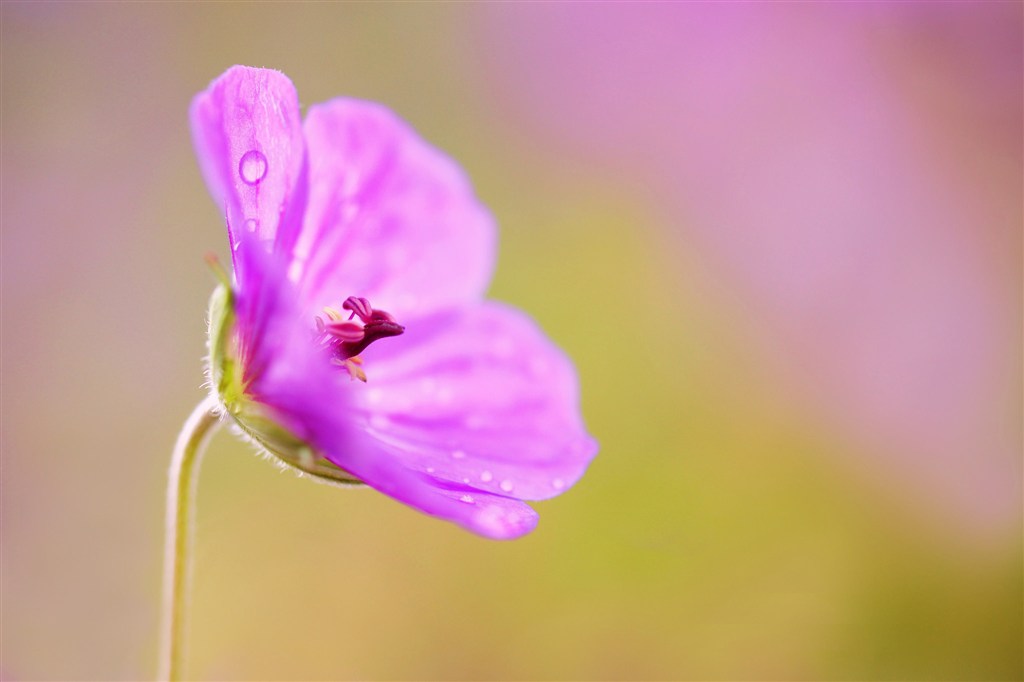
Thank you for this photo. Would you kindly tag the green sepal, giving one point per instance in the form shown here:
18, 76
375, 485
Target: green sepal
222, 320
253, 418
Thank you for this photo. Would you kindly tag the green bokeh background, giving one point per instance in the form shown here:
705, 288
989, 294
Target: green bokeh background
720, 534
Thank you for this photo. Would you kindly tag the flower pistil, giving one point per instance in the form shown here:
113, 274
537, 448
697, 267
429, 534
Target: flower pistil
345, 339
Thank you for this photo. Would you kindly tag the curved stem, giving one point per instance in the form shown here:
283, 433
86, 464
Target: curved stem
181, 492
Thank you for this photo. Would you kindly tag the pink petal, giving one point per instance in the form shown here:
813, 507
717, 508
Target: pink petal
320, 414
382, 467
248, 136
493, 516
389, 217
319, 404
481, 399
270, 331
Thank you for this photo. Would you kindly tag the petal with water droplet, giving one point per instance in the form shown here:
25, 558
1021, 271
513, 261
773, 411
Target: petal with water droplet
247, 133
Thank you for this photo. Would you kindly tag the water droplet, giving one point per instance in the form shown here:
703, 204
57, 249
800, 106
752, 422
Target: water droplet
468, 499
252, 167
251, 224
558, 484
458, 454
465, 480
507, 485
430, 470
486, 476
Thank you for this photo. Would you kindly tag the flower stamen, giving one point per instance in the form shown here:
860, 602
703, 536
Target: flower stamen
352, 366
345, 339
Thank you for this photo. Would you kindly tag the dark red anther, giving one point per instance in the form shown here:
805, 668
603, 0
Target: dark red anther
376, 329
349, 338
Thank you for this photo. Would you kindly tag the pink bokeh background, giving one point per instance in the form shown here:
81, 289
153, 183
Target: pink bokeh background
854, 171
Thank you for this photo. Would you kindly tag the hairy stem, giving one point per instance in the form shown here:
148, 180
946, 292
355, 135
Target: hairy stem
181, 492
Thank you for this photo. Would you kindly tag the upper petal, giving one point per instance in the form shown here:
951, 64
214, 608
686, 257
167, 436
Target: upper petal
247, 133
389, 217
478, 398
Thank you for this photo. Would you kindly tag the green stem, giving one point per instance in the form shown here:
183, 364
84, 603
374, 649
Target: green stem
181, 493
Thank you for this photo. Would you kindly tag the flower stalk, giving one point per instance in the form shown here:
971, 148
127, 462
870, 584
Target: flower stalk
180, 521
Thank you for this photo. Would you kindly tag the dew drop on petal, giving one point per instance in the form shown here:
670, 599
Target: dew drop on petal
251, 224
465, 480
557, 484
486, 476
468, 499
430, 470
507, 485
252, 167
458, 454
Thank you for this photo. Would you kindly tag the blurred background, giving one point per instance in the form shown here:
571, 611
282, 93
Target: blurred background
782, 242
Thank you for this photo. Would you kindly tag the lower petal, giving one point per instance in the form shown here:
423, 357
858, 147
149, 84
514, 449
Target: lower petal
479, 398
492, 516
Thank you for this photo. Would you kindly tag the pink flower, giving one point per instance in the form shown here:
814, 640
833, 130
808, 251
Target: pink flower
353, 342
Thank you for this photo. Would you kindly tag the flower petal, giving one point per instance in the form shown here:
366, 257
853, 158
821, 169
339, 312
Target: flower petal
389, 217
268, 323
247, 133
479, 398
382, 467
320, 414
318, 403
